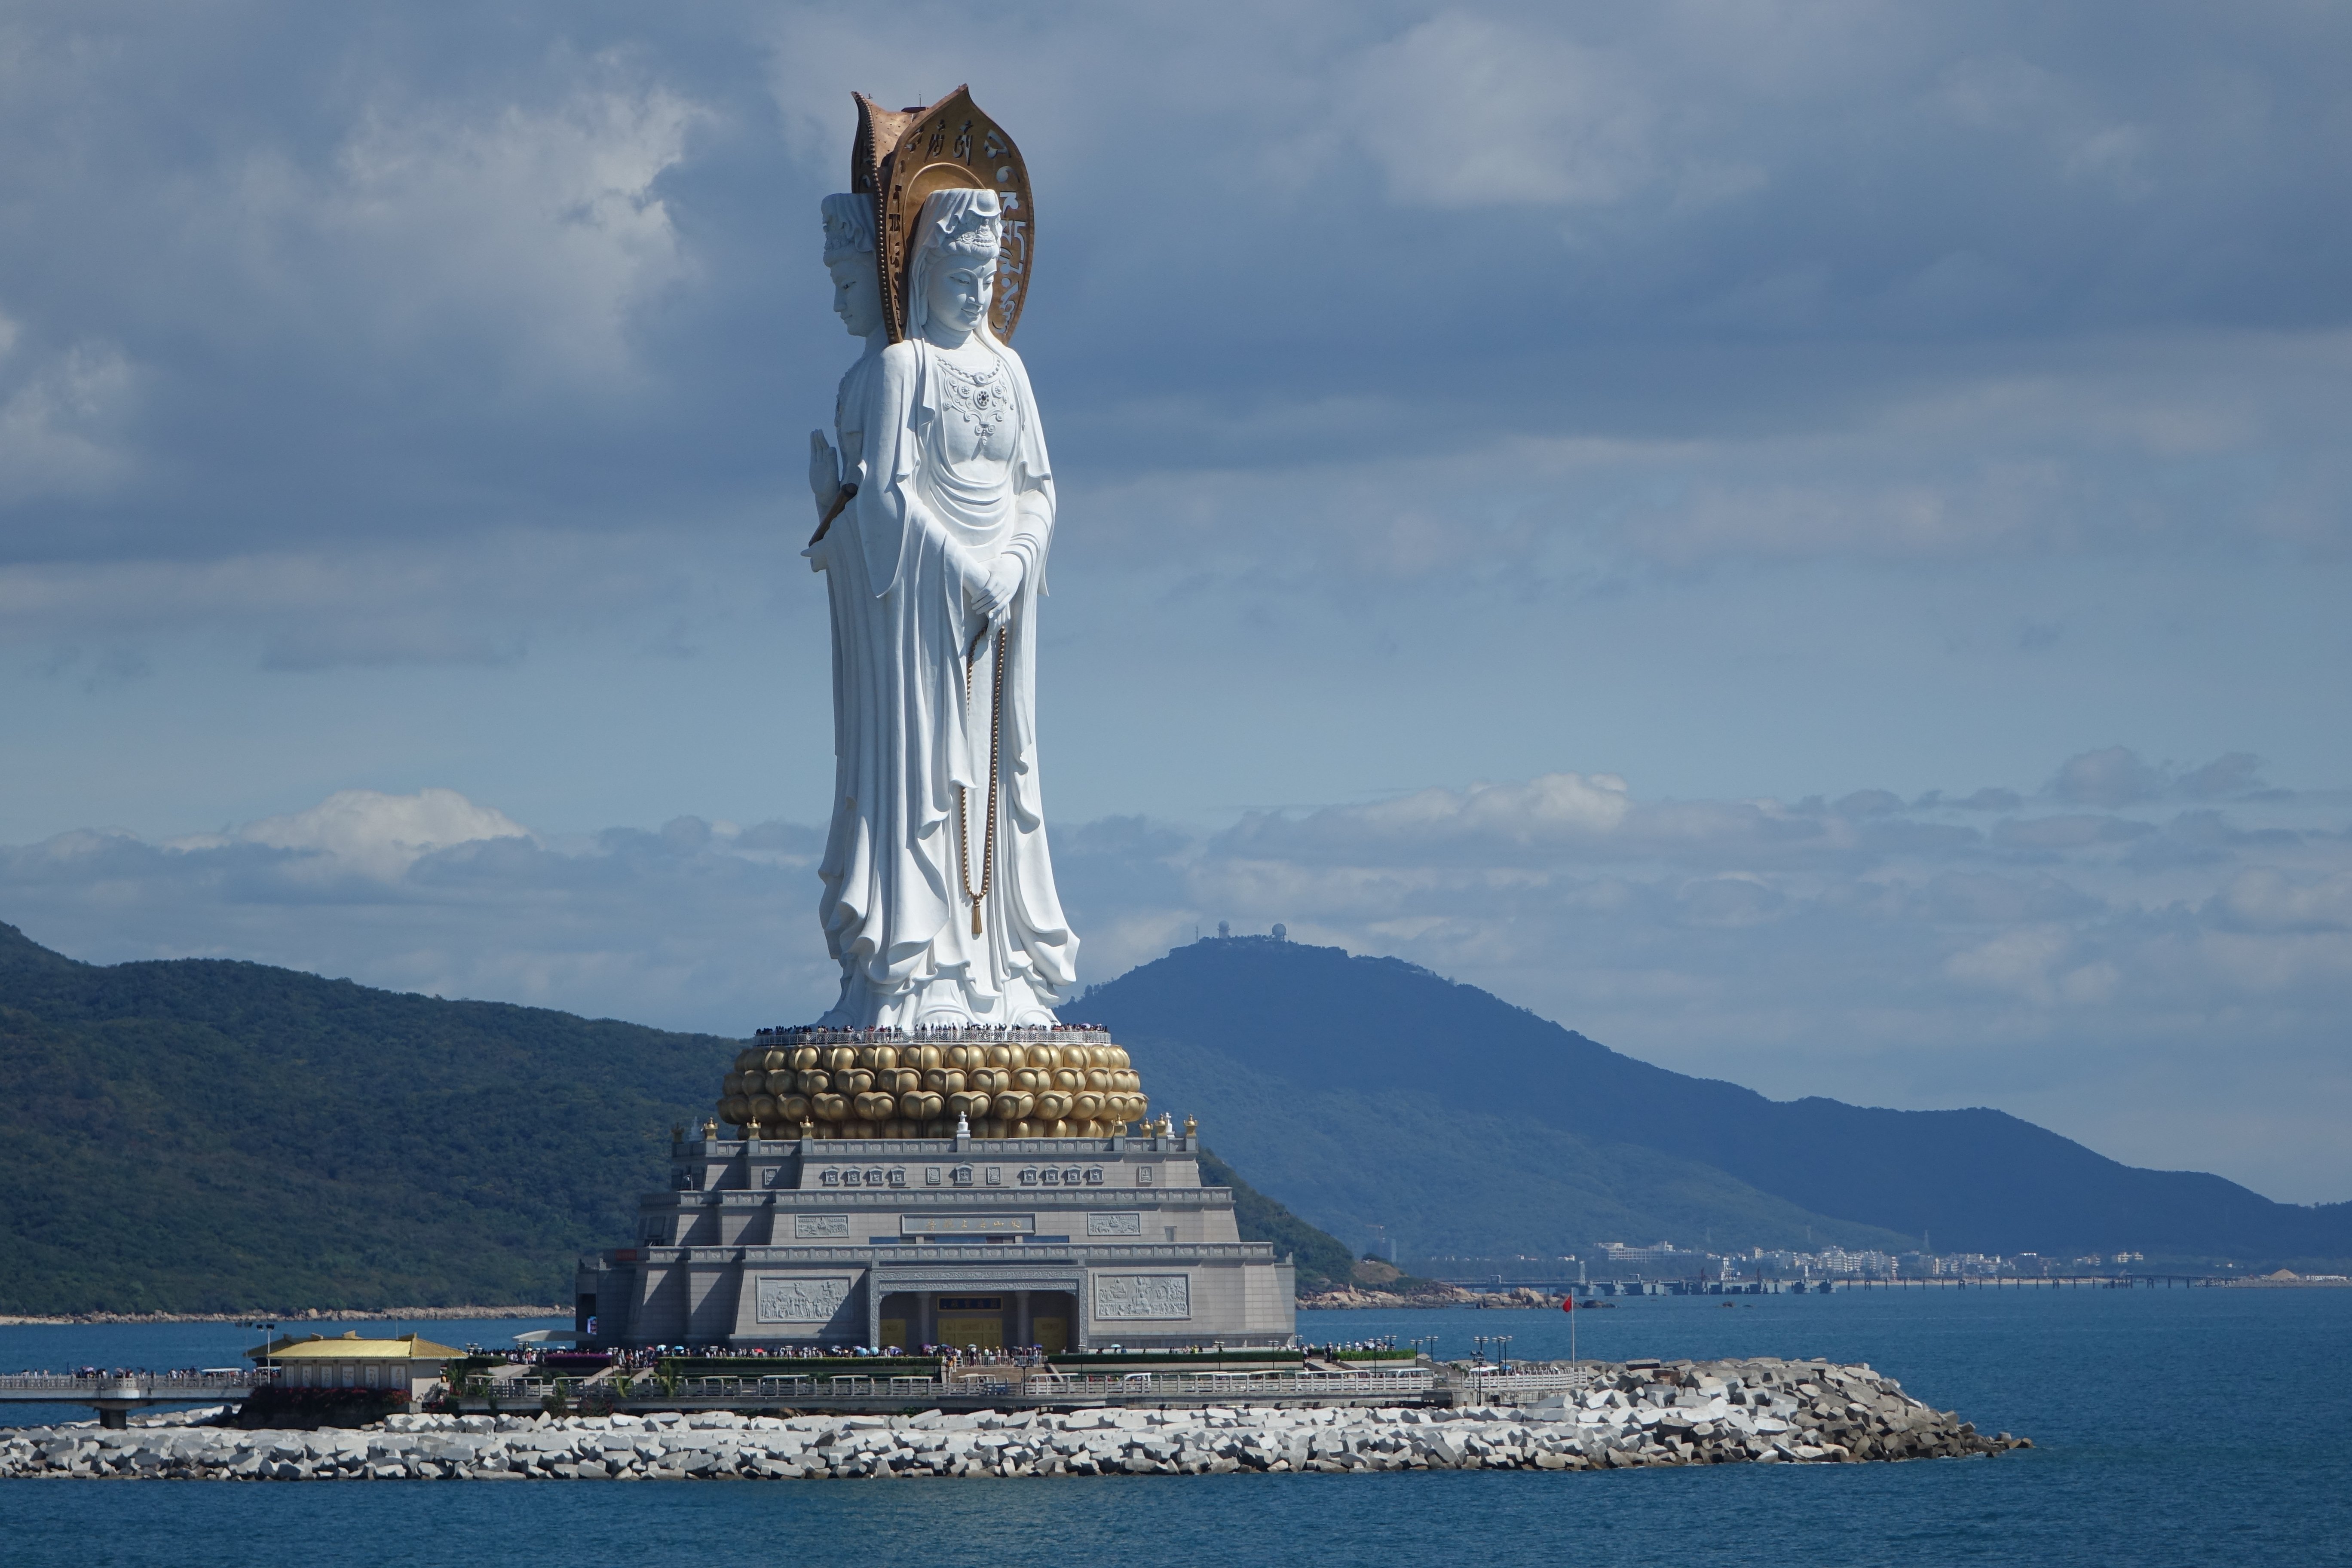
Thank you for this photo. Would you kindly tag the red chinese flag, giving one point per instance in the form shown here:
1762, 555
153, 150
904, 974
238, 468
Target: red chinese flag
1568, 1303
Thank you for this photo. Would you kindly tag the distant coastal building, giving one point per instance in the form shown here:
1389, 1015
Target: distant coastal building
1829, 1263
1664, 1260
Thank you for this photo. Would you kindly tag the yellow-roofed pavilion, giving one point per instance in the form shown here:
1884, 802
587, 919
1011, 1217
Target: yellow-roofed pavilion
410, 1363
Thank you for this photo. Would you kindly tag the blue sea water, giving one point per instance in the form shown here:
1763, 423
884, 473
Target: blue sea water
2181, 1426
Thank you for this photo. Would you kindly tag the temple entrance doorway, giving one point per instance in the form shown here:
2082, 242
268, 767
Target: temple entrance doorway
970, 1322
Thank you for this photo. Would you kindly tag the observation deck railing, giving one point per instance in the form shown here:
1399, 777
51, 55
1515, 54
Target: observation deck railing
1518, 1387
999, 1387
143, 1387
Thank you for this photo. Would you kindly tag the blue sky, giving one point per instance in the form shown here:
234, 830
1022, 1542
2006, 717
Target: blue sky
1900, 450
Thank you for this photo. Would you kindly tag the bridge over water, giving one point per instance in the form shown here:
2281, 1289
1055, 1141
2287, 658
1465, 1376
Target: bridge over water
114, 1395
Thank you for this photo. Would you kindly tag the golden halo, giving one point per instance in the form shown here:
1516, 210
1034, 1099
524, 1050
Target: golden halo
901, 156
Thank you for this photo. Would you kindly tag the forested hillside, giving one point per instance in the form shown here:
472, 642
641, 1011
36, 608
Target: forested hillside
1366, 1090
198, 1135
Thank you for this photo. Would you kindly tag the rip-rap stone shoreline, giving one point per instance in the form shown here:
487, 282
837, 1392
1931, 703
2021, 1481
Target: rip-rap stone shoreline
1687, 1414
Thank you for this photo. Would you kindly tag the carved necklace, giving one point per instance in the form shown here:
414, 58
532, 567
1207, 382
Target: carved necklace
981, 396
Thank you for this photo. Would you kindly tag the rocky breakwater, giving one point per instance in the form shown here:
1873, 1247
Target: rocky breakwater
1703, 1414
1708, 1413
1427, 1293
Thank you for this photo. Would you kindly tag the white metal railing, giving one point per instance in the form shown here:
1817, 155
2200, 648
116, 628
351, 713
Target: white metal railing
31, 1383
1261, 1385
1510, 1386
1239, 1386
983, 1036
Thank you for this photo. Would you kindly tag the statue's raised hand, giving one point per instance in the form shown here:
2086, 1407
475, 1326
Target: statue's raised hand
825, 472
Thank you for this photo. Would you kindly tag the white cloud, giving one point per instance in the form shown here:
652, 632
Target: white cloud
1462, 111
61, 422
364, 832
2129, 451
533, 232
2267, 899
2016, 961
479, 602
1488, 820
2005, 97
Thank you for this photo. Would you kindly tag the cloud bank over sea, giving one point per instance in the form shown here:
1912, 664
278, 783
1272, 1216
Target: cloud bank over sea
2155, 959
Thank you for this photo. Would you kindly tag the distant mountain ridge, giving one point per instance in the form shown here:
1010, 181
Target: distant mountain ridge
1431, 1076
203, 1135
209, 1135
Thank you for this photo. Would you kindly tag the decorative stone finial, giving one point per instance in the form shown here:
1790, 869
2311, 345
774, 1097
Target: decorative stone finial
1191, 1127
709, 1129
963, 1125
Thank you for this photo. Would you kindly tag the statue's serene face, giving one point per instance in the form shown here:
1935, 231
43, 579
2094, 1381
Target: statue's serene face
958, 292
857, 294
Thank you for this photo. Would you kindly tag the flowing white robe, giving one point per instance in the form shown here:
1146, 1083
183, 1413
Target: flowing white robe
857, 697
947, 481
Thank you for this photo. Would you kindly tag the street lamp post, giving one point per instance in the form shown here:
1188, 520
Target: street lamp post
261, 1361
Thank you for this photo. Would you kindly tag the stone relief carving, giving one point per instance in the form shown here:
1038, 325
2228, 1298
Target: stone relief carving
820, 1225
1126, 1296
801, 1300
1114, 1224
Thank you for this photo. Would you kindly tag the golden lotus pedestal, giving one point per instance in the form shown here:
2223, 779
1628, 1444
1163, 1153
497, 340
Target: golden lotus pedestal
1060, 1082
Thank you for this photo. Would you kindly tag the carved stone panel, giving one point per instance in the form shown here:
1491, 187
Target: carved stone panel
1114, 1224
955, 1224
1129, 1297
801, 1300
805, 1226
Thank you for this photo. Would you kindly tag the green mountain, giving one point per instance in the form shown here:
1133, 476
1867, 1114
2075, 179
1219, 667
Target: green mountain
1320, 1258
206, 1136
1369, 1091
200, 1135
1446, 1182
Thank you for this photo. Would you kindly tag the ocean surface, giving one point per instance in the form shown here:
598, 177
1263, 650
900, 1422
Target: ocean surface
2172, 1427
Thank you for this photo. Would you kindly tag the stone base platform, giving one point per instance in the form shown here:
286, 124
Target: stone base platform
1058, 1243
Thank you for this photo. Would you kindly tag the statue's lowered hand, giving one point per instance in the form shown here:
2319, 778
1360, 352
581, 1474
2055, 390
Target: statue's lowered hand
995, 598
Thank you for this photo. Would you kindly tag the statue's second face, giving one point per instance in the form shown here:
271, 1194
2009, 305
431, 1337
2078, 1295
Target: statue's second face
958, 294
857, 294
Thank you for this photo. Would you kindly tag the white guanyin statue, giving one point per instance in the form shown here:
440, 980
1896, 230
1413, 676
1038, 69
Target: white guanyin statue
938, 897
